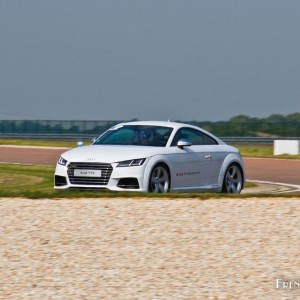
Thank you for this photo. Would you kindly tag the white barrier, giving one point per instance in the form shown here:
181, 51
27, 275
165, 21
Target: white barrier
286, 147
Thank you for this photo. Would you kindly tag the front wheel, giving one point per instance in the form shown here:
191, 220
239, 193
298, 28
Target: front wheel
233, 180
159, 179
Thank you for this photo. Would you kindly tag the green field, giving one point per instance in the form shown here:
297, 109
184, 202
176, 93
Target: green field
44, 143
266, 151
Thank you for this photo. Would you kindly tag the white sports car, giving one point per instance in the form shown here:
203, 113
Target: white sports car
153, 157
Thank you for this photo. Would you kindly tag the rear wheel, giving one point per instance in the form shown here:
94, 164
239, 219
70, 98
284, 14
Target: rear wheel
159, 179
233, 180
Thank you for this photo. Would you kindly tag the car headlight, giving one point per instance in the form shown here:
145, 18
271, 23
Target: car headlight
62, 161
131, 163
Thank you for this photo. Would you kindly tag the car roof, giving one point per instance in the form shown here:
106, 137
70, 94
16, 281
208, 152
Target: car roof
157, 123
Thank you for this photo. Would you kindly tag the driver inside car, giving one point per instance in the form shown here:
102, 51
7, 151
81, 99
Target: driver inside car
145, 137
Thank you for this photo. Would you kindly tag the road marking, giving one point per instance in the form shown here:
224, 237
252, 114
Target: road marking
295, 187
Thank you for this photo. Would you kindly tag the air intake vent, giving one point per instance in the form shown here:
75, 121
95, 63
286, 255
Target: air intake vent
128, 183
60, 180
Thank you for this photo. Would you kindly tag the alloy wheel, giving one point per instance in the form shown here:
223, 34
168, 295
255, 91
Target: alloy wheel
159, 180
233, 180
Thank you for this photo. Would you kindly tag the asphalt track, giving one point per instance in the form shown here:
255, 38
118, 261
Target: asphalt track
271, 170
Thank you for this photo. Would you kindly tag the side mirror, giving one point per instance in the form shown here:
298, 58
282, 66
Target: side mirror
184, 143
93, 140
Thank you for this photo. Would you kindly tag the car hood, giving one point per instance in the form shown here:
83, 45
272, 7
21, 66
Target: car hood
111, 154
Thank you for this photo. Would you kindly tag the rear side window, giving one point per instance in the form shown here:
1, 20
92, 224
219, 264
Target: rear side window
195, 136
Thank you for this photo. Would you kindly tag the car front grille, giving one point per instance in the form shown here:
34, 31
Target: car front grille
106, 170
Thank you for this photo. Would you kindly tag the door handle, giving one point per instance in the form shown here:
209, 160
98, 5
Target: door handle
208, 157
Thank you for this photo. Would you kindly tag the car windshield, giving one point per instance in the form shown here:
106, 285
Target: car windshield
137, 135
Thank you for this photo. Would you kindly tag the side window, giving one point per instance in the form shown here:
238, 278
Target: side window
209, 141
197, 137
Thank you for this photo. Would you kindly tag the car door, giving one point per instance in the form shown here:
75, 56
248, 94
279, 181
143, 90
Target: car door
192, 165
216, 156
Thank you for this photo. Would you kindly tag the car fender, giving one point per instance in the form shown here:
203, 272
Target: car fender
154, 160
231, 158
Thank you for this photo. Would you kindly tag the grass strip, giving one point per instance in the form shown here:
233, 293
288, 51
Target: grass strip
261, 151
44, 143
36, 182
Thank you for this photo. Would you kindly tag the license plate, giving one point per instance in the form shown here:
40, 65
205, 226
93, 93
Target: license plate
87, 173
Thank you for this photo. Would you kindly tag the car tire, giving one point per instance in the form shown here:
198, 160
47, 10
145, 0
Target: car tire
233, 180
159, 181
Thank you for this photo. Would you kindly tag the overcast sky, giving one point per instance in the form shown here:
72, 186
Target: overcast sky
154, 59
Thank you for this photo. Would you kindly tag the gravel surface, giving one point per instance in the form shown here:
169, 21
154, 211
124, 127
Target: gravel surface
149, 249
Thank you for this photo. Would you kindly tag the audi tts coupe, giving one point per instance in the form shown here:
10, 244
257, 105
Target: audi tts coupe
153, 157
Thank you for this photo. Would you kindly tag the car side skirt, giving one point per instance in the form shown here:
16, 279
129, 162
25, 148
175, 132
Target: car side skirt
207, 188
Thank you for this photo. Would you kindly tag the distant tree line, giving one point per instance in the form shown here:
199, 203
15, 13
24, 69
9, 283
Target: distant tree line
242, 126
238, 126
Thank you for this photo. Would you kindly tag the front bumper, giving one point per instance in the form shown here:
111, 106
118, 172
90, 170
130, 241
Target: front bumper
120, 179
